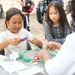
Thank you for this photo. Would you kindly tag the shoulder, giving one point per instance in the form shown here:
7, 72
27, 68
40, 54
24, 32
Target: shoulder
3, 33
46, 24
23, 30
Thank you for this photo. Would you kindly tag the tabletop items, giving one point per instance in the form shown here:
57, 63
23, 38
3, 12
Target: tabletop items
8, 63
23, 39
12, 66
22, 54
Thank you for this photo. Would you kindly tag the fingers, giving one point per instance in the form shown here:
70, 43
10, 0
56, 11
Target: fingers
16, 41
42, 53
32, 41
36, 42
50, 46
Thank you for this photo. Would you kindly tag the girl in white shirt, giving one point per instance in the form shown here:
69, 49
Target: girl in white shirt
10, 40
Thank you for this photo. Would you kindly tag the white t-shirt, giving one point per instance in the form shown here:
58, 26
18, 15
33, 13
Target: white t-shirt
20, 47
64, 62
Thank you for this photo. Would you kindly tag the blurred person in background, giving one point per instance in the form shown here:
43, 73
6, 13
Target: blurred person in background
27, 7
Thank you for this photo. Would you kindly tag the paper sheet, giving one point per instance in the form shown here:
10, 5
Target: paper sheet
12, 66
2, 58
31, 71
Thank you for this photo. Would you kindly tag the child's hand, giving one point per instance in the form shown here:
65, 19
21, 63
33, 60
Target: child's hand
36, 42
53, 45
14, 41
50, 45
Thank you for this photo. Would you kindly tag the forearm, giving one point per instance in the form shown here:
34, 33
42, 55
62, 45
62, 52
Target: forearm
4, 44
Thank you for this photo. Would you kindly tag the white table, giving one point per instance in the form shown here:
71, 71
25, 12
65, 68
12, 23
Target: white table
27, 54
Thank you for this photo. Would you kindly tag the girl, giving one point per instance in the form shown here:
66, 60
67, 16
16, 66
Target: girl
56, 26
11, 39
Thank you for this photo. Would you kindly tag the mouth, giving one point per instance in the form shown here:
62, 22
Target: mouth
54, 19
17, 29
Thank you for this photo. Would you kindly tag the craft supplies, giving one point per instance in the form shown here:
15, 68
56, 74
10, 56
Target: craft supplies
23, 39
52, 53
35, 59
27, 59
14, 55
36, 47
22, 54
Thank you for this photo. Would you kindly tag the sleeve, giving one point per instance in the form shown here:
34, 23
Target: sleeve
66, 30
63, 62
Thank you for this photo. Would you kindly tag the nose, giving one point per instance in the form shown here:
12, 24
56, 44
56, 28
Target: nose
17, 25
53, 15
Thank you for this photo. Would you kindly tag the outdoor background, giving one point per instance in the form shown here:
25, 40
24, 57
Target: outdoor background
14, 3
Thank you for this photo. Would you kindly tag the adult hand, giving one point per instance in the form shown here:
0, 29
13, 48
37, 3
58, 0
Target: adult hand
43, 54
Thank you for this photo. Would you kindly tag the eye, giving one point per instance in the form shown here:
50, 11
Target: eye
20, 22
55, 13
14, 22
50, 13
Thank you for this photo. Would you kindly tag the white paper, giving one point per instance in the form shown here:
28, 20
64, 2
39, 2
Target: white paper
2, 58
12, 66
31, 71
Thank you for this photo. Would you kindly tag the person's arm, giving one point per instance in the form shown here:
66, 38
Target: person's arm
4, 44
33, 39
13, 41
36, 42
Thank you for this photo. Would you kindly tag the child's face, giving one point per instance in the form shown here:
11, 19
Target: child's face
15, 23
54, 15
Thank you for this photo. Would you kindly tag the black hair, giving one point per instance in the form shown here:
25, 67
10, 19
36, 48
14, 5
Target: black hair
11, 12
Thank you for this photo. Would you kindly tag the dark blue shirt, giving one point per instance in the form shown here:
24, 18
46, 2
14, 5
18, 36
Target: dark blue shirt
57, 34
